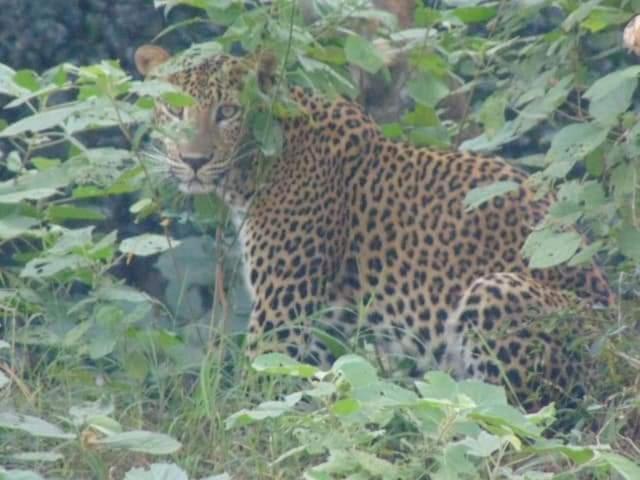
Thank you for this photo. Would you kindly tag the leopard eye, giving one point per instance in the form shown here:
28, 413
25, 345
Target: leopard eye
226, 111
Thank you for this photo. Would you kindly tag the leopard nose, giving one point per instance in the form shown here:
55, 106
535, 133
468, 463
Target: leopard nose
195, 161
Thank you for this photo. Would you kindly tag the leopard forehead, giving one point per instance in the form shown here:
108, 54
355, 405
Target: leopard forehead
219, 78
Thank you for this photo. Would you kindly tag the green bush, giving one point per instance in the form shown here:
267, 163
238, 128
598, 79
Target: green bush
545, 83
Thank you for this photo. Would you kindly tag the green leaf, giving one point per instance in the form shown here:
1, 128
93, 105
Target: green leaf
27, 79
147, 244
475, 14
427, 89
362, 53
16, 226
178, 99
622, 465
19, 475
61, 213
629, 242
479, 195
157, 471
571, 144
279, 364
268, 132
141, 441
546, 248
611, 95
43, 120
265, 410
50, 265
356, 370
579, 14
37, 457
344, 407
32, 425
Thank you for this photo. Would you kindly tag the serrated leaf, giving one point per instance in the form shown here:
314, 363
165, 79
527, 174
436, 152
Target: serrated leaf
147, 244
141, 441
479, 195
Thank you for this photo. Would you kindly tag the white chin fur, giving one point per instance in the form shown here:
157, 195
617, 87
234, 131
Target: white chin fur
195, 188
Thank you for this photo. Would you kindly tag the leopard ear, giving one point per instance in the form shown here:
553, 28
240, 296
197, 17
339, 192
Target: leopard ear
267, 69
147, 57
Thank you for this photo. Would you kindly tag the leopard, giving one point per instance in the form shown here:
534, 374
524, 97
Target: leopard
355, 232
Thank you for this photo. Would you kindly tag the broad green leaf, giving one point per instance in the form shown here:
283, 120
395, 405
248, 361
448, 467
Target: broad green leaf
32, 425
491, 114
37, 457
611, 95
13, 227
577, 454
621, 465
85, 412
611, 82
271, 409
147, 244
268, 132
582, 11
43, 120
27, 79
178, 99
546, 248
279, 364
62, 213
355, 370
362, 53
479, 195
483, 446
19, 475
141, 441
427, 89
475, 14
50, 265
344, 407
571, 144
629, 242
585, 255
157, 471
26, 194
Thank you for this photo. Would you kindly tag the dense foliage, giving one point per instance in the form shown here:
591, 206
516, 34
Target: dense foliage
109, 357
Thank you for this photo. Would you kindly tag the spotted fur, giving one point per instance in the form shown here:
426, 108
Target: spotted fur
349, 217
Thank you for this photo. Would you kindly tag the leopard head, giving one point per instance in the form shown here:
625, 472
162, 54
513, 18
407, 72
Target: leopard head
203, 141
